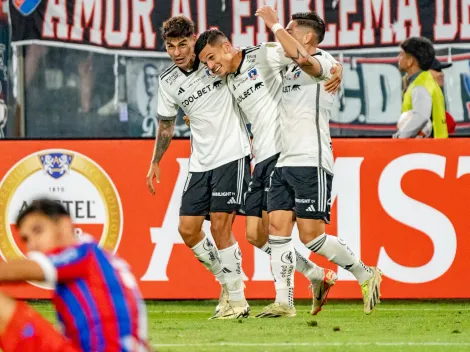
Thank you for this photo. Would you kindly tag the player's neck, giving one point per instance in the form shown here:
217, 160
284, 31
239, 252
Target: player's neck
190, 64
311, 49
237, 57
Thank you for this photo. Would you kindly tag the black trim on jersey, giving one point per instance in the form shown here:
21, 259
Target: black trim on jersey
194, 69
317, 123
167, 71
241, 63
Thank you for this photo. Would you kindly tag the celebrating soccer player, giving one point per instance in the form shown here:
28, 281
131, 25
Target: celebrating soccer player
303, 176
219, 167
97, 299
255, 81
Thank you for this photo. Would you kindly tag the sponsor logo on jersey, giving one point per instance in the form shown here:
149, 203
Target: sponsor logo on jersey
196, 96
209, 73
72, 179
172, 78
253, 74
293, 88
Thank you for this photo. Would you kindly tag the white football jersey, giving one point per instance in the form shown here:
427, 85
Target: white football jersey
305, 117
218, 132
257, 87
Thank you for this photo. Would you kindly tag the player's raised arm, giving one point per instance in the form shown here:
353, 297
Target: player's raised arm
167, 110
312, 65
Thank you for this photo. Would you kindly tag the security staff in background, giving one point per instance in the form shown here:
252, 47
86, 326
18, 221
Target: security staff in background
423, 96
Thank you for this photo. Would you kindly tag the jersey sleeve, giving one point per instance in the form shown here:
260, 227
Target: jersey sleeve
328, 56
274, 56
326, 66
64, 265
167, 108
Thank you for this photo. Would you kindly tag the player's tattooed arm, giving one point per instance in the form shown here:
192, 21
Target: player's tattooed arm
166, 128
292, 47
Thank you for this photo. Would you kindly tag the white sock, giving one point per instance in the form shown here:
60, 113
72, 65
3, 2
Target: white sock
282, 265
308, 268
303, 265
207, 254
337, 251
231, 258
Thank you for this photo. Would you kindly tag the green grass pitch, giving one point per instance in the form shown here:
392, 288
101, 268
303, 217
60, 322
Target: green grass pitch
341, 326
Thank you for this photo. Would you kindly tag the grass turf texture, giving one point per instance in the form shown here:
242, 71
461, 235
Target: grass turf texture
341, 326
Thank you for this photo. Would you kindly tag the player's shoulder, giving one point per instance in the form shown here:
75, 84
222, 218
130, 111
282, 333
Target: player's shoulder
170, 75
168, 71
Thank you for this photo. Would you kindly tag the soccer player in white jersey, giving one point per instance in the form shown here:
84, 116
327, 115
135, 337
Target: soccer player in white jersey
219, 166
254, 77
303, 176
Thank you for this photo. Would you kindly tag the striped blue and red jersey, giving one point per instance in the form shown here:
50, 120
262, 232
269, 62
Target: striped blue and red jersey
97, 299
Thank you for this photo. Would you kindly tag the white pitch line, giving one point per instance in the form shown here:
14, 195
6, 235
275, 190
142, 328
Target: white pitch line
312, 344
327, 309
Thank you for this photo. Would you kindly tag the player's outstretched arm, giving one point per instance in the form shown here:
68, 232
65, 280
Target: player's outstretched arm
165, 131
21, 270
292, 47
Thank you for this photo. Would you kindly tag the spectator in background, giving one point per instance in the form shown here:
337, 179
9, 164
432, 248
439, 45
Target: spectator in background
423, 97
438, 74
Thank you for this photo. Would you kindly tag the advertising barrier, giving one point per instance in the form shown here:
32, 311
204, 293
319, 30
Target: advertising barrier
399, 204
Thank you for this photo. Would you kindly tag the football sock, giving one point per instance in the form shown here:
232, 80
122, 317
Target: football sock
337, 251
283, 265
303, 265
231, 258
207, 254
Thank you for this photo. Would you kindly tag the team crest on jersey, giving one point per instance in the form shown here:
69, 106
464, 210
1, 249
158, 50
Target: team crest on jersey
26, 7
297, 74
253, 74
209, 73
56, 165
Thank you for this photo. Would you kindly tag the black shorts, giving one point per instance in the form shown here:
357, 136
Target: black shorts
306, 190
218, 190
255, 200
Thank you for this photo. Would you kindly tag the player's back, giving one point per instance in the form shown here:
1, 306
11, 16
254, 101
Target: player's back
305, 120
97, 300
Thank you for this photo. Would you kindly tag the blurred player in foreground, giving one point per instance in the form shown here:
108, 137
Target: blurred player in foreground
423, 105
98, 303
302, 181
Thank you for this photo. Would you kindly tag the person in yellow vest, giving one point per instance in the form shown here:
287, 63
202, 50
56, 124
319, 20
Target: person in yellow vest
423, 96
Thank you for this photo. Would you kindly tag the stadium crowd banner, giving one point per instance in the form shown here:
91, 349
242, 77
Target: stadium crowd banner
4, 55
400, 205
133, 26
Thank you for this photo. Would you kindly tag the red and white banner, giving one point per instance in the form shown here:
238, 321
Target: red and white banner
400, 205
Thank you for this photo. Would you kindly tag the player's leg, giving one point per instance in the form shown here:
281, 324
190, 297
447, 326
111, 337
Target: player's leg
313, 201
195, 206
280, 204
257, 221
23, 329
227, 186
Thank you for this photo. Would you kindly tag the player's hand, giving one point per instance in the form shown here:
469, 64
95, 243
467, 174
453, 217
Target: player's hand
333, 84
186, 120
268, 15
154, 172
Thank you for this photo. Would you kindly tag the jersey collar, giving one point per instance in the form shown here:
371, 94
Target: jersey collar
241, 63
194, 69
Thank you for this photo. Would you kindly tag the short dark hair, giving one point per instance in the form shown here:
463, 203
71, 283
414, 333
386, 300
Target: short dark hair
422, 49
311, 20
50, 208
177, 27
208, 37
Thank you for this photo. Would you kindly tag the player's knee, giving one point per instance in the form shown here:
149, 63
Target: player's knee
306, 235
255, 238
189, 233
221, 224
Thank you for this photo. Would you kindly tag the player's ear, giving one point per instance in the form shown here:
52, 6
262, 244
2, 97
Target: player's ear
308, 37
226, 47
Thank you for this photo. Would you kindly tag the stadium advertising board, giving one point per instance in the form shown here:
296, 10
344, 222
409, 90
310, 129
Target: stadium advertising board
400, 204
134, 25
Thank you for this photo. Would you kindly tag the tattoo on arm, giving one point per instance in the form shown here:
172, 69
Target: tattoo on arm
164, 136
308, 66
